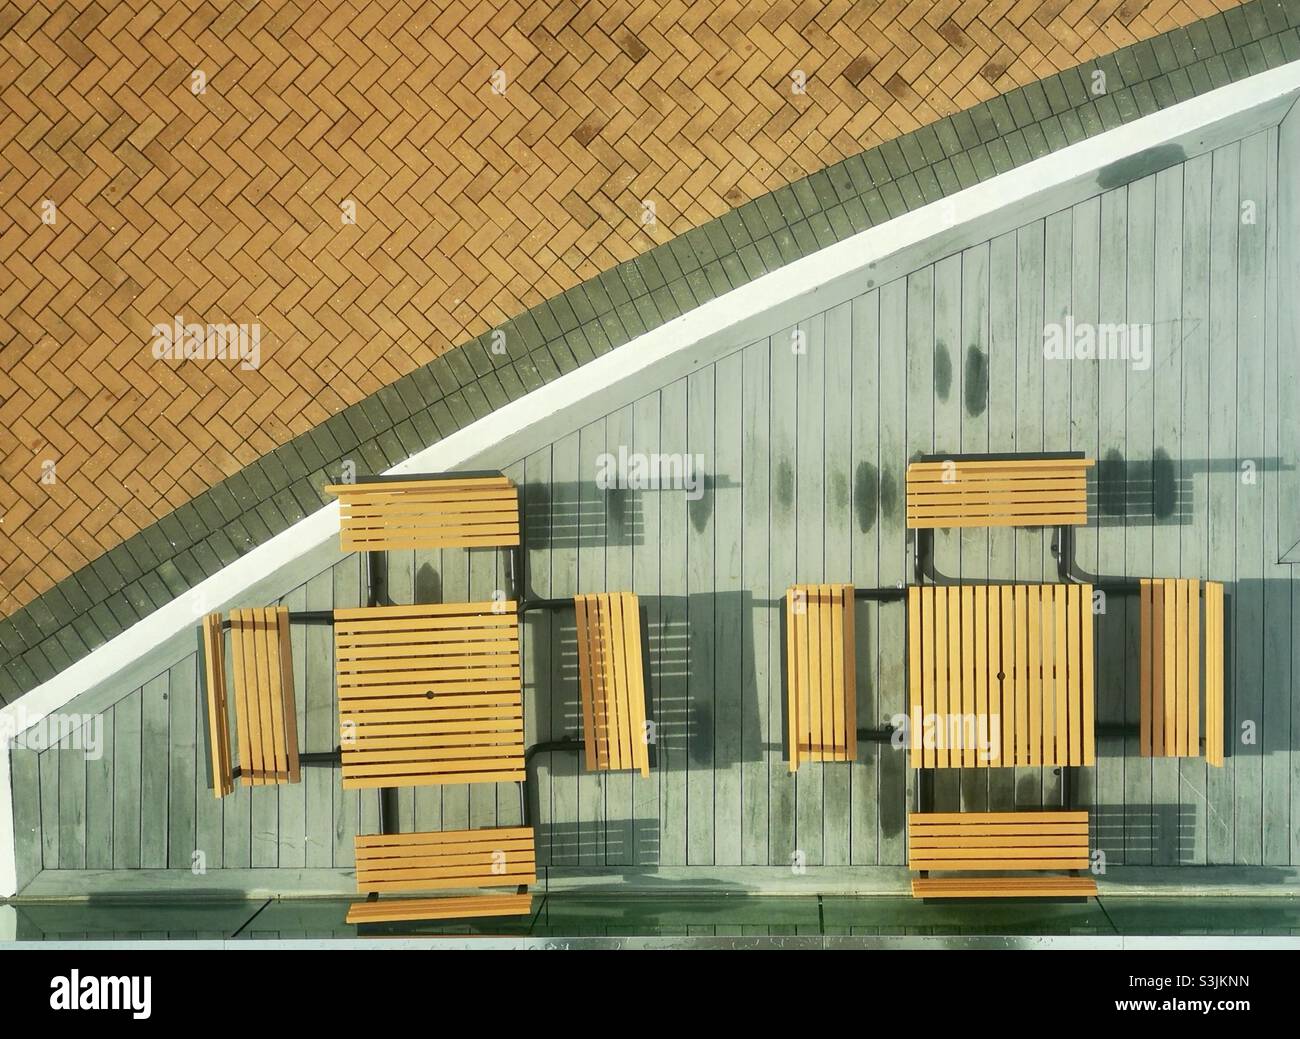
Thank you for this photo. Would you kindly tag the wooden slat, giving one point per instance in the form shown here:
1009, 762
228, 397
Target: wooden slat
982, 839
586, 676
1169, 666
1214, 706
849, 712
267, 639
928, 696
831, 656
1193, 654
966, 656
974, 834
1182, 644
1037, 719
980, 665
1005, 488
1003, 887
1001, 654
465, 907
1074, 672
616, 663
1060, 665
635, 670
999, 860
1017, 669
214, 670
818, 668
1054, 519
941, 672
425, 778
1157, 669
1017, 510
795, 607
1146, 705
915, 705
397, 488
289, 705
494, 835
973, 819
381, 616
1016, 465
1088, 681
244, 681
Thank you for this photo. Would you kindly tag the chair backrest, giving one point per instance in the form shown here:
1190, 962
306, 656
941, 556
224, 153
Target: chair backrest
997, 840
214, 675
821, 674
997, 491
464, 907
1171, 668
446, 512
429, 694
612, 680
266, 718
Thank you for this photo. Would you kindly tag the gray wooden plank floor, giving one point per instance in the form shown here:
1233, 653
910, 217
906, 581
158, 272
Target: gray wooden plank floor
803, 438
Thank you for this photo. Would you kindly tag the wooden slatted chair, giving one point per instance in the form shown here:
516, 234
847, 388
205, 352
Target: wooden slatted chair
612, 679
1000, 675
999, 842
429, 694
821, 674
490, 858
997, 491
454, 511
1174, 636
266, 718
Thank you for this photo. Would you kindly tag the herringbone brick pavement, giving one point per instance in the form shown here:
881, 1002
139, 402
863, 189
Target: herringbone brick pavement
472, 204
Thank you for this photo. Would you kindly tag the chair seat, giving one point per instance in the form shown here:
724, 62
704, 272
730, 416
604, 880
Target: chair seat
266, 717
612, 679
448, 512
821, 675
997, 492
1173, 637
495, 857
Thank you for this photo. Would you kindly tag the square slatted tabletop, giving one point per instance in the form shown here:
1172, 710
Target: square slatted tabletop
429, 694
1000, 675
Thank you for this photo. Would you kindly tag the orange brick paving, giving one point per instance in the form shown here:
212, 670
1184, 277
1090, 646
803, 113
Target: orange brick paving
225, 205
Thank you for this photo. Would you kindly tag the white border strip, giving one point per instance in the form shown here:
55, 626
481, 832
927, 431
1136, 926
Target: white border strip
807, 277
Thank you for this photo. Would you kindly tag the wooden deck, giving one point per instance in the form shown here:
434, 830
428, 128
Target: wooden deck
804, 455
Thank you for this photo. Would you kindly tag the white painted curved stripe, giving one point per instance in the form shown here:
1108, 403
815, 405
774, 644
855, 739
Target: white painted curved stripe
808, 285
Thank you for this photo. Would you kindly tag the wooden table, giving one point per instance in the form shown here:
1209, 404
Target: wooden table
1000, 675
429, 694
